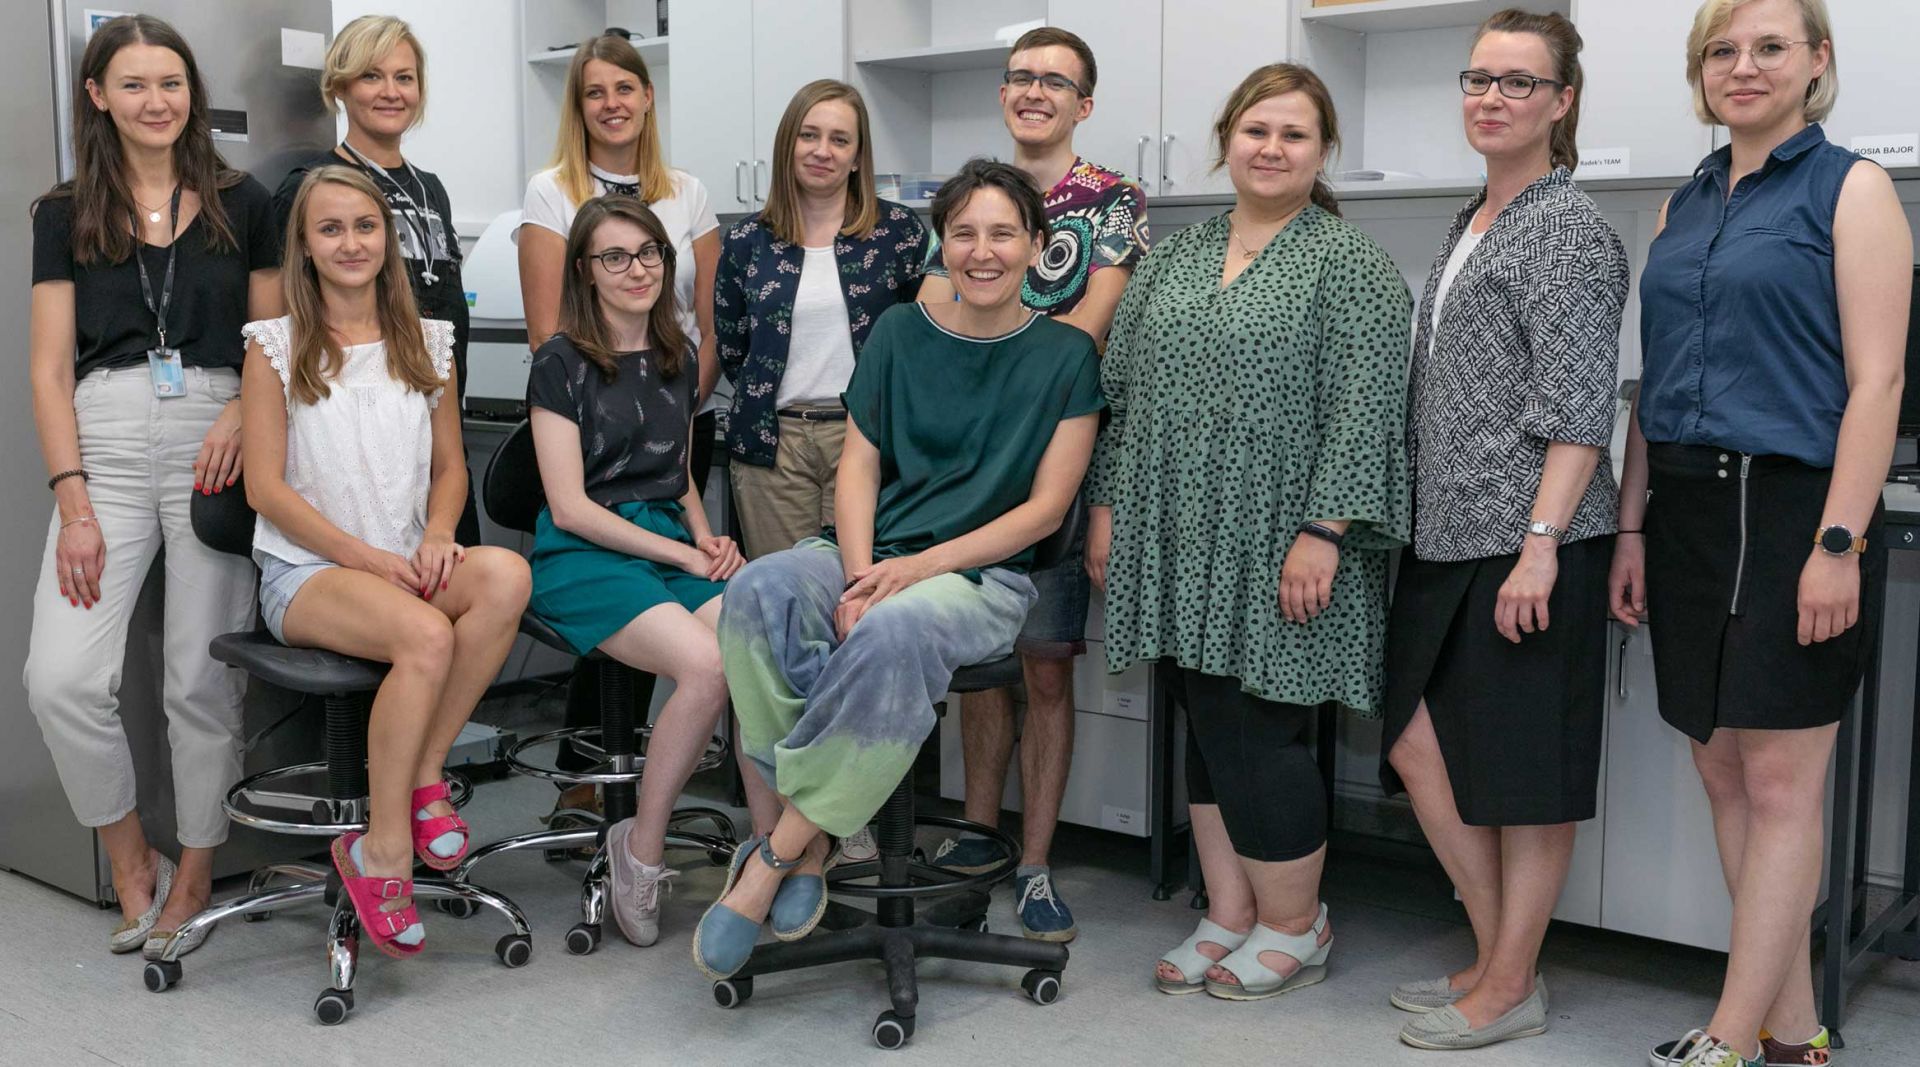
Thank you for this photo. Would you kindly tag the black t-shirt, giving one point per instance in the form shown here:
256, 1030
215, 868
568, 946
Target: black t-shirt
446, 298
633, 430
112, 326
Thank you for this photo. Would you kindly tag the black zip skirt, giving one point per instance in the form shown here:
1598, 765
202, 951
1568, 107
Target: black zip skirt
1519, 725
1728, 535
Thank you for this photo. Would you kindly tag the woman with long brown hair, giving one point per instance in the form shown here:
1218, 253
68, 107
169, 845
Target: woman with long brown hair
358, 473
1256, 474
609, 142
623, 558
145, 265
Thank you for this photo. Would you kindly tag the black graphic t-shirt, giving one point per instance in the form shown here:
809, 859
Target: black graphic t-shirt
427, 239
634, 430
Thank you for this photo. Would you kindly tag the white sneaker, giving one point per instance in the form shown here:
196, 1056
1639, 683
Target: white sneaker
860, 848
635, 890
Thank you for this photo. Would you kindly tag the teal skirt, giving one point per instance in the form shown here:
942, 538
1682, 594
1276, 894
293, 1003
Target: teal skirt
587, 592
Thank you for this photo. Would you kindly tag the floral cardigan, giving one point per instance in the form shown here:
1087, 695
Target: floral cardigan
753, 296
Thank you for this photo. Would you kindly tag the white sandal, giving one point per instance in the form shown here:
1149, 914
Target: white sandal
1191, 962
1257, 980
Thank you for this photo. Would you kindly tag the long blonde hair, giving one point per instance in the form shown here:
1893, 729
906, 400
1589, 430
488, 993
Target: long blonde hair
575, 177
358, 46
782, 213
316, 357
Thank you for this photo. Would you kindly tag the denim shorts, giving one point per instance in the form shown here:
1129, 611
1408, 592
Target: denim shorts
1056, 627
279, 581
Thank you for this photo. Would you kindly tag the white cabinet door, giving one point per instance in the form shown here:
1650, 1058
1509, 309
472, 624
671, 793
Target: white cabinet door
1637, 96
794, 42
1661, 876
711, 78
1207, 47
1123, 133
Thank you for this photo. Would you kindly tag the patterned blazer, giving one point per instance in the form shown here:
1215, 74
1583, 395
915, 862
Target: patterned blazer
753, 294
1527, 352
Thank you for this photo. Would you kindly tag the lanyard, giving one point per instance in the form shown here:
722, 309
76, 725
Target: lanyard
140, 257
423, 224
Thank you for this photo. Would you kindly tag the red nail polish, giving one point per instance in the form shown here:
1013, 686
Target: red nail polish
196, 487
74, 602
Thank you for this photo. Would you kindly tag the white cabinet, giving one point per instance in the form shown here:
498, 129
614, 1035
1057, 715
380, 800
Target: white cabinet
1637, 97
1875, 39
1661, 877
1157, 100
745, 60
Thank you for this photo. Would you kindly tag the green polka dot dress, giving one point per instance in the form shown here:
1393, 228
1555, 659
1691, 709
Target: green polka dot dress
1239, 414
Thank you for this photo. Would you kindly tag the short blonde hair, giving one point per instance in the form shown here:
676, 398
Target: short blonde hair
1712, 20
358, 46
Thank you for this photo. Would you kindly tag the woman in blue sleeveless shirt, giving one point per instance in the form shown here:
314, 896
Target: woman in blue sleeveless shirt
1773, 311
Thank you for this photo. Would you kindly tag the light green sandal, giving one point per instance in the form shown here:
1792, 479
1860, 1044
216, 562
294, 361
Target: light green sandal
1257, 980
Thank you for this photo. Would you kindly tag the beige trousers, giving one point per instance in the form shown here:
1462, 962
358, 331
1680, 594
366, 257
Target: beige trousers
782, 505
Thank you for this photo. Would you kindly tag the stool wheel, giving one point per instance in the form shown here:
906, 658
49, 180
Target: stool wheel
583, 938
1199, 901
514, 950
890, 1031
332, 1006
1042, 986
1163, 891
732, 992
160, 975
457, 907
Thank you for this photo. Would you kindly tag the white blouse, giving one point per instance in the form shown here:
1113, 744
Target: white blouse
363, 454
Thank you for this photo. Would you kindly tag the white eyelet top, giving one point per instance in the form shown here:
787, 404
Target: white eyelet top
362, 455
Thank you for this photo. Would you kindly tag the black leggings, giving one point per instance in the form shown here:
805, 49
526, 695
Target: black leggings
1250, 757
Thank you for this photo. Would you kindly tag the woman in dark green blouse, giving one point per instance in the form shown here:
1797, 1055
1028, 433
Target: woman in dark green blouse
1246, 495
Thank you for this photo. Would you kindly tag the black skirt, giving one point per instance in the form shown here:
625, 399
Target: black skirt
1519, 725
1727, 537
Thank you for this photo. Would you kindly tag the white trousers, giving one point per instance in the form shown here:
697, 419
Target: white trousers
138, 452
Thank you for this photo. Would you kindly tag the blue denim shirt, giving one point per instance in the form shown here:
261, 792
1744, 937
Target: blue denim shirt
753, 294
1739, 318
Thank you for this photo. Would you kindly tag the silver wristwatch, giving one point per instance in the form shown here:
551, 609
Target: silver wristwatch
1546, 529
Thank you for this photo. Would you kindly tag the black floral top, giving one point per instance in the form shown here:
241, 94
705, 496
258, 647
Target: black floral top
753, 309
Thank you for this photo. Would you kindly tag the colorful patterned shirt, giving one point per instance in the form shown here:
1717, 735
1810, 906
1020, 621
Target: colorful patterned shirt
1098, 219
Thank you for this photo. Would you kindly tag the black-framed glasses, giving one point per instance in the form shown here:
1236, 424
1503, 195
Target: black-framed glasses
1512, 86
1023, 80
618, 260
1769, 53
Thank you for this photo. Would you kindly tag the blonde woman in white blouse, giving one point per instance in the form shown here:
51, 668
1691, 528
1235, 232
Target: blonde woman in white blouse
358, 475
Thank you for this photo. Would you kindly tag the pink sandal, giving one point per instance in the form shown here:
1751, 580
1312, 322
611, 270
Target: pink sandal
368, 894
427, 831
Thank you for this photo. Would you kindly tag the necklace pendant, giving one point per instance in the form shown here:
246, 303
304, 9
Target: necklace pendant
429, 277
153, 216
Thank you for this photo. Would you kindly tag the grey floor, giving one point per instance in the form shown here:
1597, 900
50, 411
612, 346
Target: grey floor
246, 996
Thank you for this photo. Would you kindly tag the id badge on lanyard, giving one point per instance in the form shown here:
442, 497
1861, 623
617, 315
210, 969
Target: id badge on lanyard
164, 363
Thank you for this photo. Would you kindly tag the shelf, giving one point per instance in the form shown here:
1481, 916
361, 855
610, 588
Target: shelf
940, 59
651, 49
1390, 16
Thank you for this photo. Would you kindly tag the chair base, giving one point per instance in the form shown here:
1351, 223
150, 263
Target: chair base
951, 929
343, 930
595, 885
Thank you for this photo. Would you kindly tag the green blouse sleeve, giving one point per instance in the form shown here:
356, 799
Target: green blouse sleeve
1360, 473
1125, 342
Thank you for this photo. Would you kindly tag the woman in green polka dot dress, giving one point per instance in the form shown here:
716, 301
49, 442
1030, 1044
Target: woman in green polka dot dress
1246, 496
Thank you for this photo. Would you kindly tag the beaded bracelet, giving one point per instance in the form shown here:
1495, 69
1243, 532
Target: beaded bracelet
64, 475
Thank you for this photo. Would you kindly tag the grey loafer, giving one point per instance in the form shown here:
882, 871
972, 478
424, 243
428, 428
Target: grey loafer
1421, 997
131, 936
1446, 1029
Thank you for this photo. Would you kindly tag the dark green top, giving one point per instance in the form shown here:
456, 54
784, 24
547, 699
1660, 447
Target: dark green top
961, 422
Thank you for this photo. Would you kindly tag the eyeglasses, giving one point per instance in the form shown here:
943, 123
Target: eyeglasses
1769, 53
1054, 83
1512, 86
617, 260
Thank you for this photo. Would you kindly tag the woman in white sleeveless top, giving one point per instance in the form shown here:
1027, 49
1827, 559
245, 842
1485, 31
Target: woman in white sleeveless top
358, 475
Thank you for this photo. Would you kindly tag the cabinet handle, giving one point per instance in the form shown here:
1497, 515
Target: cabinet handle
1620, 665
757, 194
1140, 156
1166, 179
739, 169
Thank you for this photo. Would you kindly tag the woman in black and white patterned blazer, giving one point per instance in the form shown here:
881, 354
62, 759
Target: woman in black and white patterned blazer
1493, 716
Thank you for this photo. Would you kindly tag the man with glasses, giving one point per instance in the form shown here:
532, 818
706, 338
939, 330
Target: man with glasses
1097, 222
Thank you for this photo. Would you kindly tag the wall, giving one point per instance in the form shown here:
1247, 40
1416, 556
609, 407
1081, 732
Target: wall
474, 56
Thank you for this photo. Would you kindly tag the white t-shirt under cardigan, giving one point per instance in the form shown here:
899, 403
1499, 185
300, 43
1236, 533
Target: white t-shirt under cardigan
820, 352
